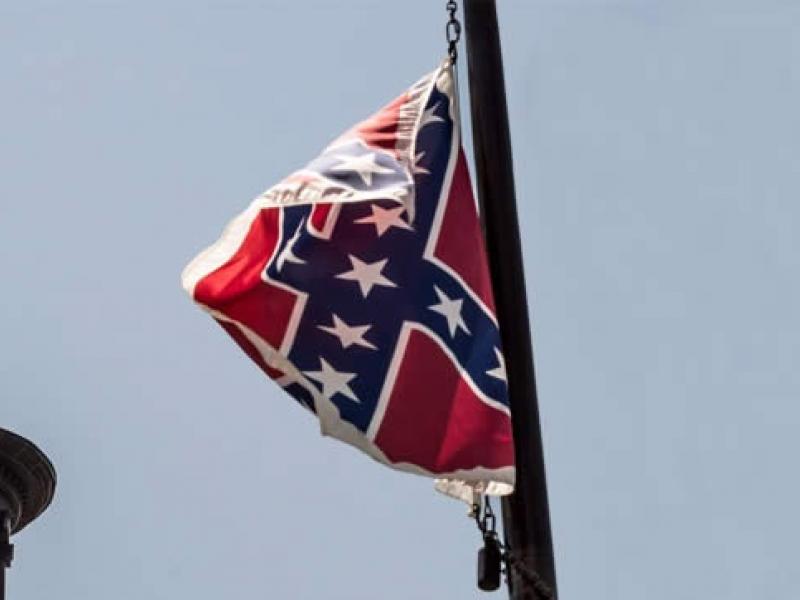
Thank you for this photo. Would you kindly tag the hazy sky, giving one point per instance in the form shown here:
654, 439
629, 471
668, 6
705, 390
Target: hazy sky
656, 152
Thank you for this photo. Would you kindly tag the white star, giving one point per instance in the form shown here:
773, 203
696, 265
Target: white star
348, 334
384, 218
417, 169
451, 309
333, 382
287, 254
499, 371
364, 165
366, 274
428, 117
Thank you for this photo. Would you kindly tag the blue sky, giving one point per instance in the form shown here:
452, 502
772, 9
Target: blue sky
656, 153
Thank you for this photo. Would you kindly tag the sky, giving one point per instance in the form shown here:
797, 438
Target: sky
656, 151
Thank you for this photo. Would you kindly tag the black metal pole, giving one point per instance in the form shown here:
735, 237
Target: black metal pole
526, 516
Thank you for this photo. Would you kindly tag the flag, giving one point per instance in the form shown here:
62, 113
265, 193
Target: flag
360, 285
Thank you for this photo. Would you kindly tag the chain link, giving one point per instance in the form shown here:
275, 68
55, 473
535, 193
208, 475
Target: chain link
452, 30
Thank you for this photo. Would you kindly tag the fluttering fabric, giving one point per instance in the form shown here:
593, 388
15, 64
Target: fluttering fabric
360, 285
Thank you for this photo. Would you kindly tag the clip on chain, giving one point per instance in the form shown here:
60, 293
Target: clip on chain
495, 553
490, 557
452, 30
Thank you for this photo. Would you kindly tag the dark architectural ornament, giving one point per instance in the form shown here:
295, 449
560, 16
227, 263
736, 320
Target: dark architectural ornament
27, 484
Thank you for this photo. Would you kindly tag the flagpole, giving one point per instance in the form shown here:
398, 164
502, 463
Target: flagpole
526, 516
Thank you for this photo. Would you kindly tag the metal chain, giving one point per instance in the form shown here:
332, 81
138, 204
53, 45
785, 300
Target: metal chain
531, 578
452, 30
486, 524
